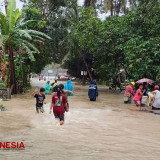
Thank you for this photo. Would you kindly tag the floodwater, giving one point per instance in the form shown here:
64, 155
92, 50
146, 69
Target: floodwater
103, 130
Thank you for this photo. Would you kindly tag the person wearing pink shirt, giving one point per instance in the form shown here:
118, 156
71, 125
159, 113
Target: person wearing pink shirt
138, 96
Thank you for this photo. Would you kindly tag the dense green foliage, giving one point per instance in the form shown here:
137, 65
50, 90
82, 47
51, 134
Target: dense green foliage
18, 38
57, 20
129, 42
127, 39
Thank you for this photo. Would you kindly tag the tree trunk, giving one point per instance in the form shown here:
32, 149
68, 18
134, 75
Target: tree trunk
13, 84
6, 4
111, 7
84, 60
88, 3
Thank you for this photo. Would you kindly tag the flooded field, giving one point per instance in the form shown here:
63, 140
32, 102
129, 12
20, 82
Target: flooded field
106, 129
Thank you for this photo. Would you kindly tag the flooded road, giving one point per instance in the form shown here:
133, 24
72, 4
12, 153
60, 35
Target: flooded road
106, 129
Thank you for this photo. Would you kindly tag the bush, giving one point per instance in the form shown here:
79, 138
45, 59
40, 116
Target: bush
2, 108
2, 85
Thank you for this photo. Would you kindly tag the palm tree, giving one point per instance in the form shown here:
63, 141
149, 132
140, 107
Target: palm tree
14, 33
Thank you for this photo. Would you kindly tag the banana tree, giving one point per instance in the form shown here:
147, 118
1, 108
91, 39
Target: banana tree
15, 33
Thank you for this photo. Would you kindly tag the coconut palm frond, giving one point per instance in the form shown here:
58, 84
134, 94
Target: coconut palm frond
38, 38
38, 41
23, 34
4, 24
3, 42
16, 16
29, 52
11, 7
37, 33
24, 24
3, 39
31, 46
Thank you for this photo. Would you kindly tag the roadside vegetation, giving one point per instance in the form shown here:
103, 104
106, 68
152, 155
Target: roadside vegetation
45, 32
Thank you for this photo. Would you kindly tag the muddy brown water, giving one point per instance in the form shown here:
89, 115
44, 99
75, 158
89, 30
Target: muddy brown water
103, 130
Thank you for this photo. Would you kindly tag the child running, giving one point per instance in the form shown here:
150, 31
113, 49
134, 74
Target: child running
58, 103
40, 100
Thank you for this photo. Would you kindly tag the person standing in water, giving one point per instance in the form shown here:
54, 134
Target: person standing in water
93, 91
66, 93
128, 93
68, 86
58, 104
138, 96
145, 87
54, 85
47, 87
156, 104
40, 100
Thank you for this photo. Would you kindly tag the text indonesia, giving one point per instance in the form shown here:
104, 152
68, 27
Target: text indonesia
12, 145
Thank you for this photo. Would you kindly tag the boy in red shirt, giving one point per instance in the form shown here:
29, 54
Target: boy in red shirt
59, 101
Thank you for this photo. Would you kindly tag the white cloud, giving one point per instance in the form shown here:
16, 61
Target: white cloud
19, 4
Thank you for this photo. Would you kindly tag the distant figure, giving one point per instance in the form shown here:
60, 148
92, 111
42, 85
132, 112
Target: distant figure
145, 87
54, 85
156, 104
47, 87
128, 93
68, 86
40, 99
93, 91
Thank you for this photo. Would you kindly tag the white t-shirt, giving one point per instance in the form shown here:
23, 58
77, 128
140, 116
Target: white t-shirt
156, 103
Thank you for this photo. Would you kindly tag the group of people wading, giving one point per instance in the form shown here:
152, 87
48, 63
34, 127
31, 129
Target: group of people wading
59, 103
143, 96
60, 93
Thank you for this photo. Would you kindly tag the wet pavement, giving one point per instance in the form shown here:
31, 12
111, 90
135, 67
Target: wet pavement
105, 129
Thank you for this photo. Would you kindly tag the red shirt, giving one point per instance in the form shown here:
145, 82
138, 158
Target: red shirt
128, 91
137, 96
59, 104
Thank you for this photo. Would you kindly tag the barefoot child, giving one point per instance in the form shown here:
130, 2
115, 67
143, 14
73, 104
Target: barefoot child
58, 103
40, 100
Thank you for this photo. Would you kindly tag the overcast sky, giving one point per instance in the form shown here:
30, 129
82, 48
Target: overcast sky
20, 5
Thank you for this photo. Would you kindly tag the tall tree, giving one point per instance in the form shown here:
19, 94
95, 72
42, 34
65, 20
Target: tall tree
89, 3
115, 6
15, 34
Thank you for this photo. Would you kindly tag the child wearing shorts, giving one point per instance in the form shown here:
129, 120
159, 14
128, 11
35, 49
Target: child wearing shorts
40, 100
